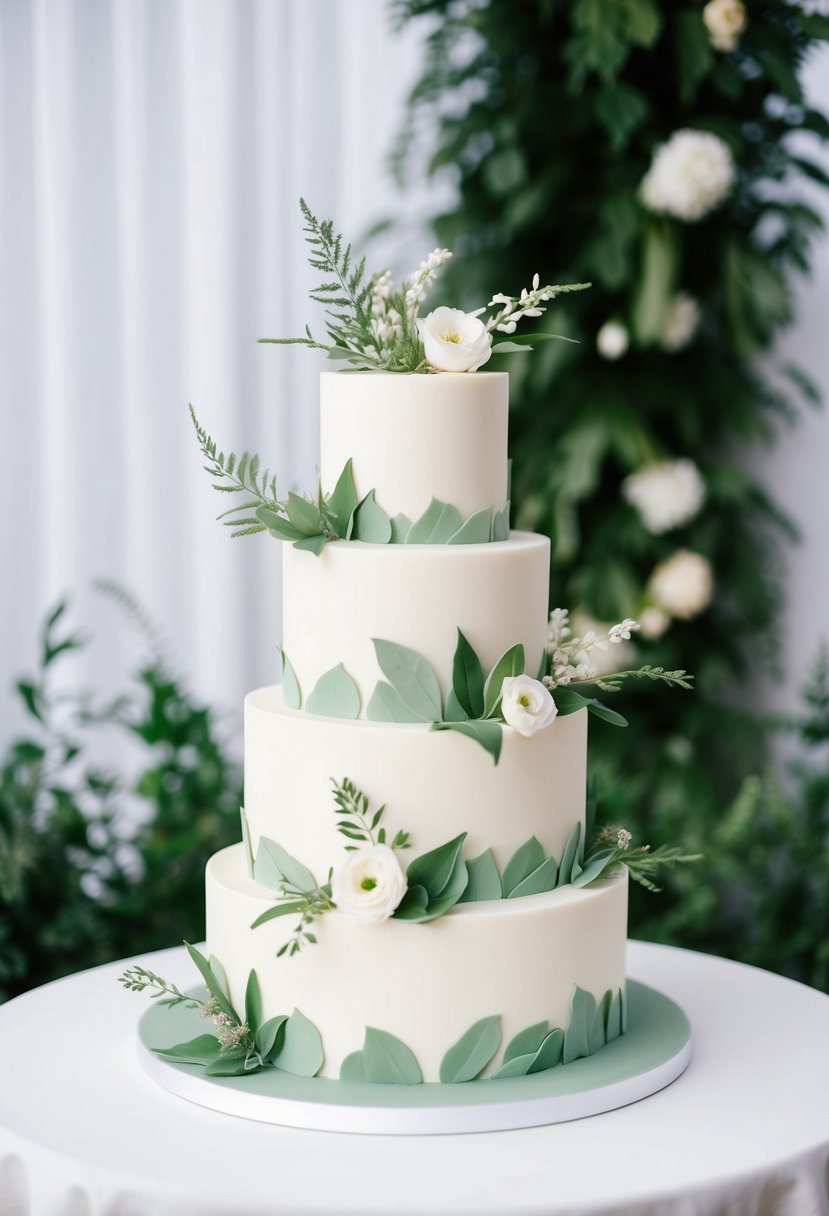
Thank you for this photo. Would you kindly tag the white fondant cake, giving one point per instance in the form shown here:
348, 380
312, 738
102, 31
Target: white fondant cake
550, 952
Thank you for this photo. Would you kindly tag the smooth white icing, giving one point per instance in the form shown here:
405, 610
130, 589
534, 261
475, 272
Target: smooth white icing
435, 786
417, 437
426, 984
417, 596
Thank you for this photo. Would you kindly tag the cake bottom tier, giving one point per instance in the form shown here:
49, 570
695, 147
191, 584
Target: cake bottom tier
519, 960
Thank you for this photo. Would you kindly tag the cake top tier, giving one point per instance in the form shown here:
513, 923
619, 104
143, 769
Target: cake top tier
414, 438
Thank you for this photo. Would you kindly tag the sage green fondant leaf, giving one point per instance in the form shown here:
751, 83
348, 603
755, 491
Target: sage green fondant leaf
253, 1001
569, 855
549, 1053
623, 1001
353, 1068
342, 502
476, 530
527, 1041
387, 1061
277, 524
386, 705
435, 871
304, 515
595, 1031
274, 868
220, 974
515, 1067
371, 523
511, 663
488, 734
468, 678
400, 526
594, 867
526, 858
411, 677
500, 523
437, 523
577, 1034
286, 909
467, 1059
484, 879
453, 710
228, 1066
291, 693
213, 984
301, 1051
613, 1021
542, 879
202, 1050
268, 1033
335, 695
314, 544
413, 905
246, 841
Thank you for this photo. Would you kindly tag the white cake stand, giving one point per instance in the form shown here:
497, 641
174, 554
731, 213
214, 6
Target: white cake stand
653, 1052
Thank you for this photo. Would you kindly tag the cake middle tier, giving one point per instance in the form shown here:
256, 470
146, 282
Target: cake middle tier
416, 596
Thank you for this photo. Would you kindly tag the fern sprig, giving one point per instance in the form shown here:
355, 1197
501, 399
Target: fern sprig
358, 822
614, 681
643, 862
236, 475
137, 979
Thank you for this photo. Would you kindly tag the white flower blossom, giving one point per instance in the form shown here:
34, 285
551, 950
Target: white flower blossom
612, 340
369, 884
689, 176
682, 585
454, 341
526, 704
666, 493
623, 839
575, 657
653, 622
419, 283
725, 21
681, 322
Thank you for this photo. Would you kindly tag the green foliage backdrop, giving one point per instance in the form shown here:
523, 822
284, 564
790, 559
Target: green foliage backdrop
549, 113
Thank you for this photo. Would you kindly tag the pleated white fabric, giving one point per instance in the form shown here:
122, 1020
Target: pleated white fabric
152, 154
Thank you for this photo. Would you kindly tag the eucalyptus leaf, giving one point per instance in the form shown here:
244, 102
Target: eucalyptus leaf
613, 1017
411, 677
388, 1061
453, 710
594, 867
301, 1051
488, 734
268, 1033
576, 1036
600, 710
528, 1040
220, 974
286, 909
568, 701
212, 982
414, 904
342, 502
400, 526
476, 530
517, 1066
246, 841
570, 855
353, 1068
202, 1050
511, 663
484, 881
466, 1059
530, 340
277, 524
541, 880
526, 858
510, 348
468, 678
595, 1030
313, 544
274, 867
435, 871
371, 523
386, 705
253, 1001
335, 695
435, 526
500, 523
549, 1053
228, 1066
304, 515
291, 693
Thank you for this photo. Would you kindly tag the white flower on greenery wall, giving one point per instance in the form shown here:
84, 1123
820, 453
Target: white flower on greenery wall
725, 21
666, 493
369, 884
682, 585
454, 341
689, 176
612, 340
681, 322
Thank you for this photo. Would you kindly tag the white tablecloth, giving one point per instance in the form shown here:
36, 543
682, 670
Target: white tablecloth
745, 1131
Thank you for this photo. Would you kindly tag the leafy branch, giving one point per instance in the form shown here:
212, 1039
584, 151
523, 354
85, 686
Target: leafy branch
309, 905
357, 822
238, 475
614, 681
138, 979
642, 863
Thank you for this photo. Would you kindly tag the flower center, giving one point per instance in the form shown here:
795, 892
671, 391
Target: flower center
368, 884
456, 338
524, 700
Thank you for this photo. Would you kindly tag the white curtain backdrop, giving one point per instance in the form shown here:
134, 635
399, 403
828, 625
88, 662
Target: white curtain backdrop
152, 154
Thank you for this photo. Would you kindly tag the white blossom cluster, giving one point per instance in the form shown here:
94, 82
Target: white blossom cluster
386, 322
689, 175
725, 21
419, 283
228, 1032
571, 656
513, 308
666, 493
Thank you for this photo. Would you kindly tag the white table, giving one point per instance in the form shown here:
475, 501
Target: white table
745, 1131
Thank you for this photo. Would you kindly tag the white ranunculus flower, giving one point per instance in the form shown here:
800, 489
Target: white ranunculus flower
725, 20
681, 322
653, 622
454, 340
666, 493
689, 175
369, 884
612, 340
526, 704
682, 585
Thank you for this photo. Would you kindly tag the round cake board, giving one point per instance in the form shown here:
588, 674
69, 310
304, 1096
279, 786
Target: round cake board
653, 1052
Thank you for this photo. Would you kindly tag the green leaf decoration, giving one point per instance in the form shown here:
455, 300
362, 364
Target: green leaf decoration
411, 677
594, 867
290, 685
467, 1058
437, 870
474, 531
400, 527
500, 523
577, 1034
275, 868
414, 905
342, 502
484, 879
526, 858
510, 348
624, 1006
613, 1016
353, 1068
304, 515
387, 1061
599, 710
253, 1001
335, 695
371, 523
568, 859
468, 678
542, 879
595, 1030
436, 525
549, 1053
201, 1050
246, 841
213, 985
386, 705
301, 1051
285, 909
568, 701
314, 544
511, 663
220, 974
268, 1033
488, 734
229, 1066
515, 1067
277, 524
527, 1041
453, 710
